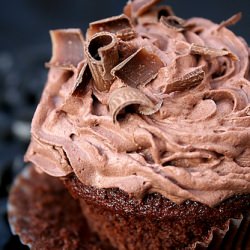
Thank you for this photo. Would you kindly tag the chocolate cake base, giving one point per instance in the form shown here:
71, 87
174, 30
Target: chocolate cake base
157, 223
45, 216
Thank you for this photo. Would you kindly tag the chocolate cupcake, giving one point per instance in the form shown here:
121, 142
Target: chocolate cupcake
146, 121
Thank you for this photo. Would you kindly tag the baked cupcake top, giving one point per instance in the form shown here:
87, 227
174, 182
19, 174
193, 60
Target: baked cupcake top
148, 102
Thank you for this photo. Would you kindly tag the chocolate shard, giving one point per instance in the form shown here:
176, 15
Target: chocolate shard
102, 55
139, 68
82, 80
125, 96
188, 80
126, 49
126, 34
67, 48
173, 22
139, 7
230, 21
196, 49
119, 25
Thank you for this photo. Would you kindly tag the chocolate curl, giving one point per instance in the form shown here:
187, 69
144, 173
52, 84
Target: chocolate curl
163, 11
126, 34
155, 14
196, 49
125, 96
102, 55
148, 110
136, 8
67, 48
230, 21
174, 22
119, 25
187, 81
139, 68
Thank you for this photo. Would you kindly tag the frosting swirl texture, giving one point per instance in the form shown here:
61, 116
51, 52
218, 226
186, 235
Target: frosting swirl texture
148, 102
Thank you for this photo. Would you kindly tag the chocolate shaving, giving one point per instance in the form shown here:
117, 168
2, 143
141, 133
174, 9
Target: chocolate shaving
125, 96
139, 68
146, 110
67, 48
186, 81
126, 49
174, 22
82, 80
230, 21
196, 49
126, 34
119, 25
163, 11
102, 55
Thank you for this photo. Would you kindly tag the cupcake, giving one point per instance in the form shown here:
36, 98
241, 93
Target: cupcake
145, 119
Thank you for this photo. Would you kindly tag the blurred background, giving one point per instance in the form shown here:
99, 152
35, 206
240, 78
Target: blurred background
25, 47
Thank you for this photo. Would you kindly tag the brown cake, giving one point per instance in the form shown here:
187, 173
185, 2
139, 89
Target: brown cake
146, 121
157, 223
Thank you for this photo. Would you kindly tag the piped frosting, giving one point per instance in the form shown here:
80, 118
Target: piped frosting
149, 102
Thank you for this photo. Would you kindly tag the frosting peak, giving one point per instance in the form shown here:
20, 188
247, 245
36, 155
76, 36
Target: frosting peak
149, 102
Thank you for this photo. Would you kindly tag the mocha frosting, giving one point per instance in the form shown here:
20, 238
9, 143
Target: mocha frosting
148, 102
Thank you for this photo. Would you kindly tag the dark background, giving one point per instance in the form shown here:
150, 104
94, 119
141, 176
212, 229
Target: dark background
26, 22
25, 46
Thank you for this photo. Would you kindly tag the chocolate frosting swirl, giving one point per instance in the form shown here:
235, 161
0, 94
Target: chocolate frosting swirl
172, 115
